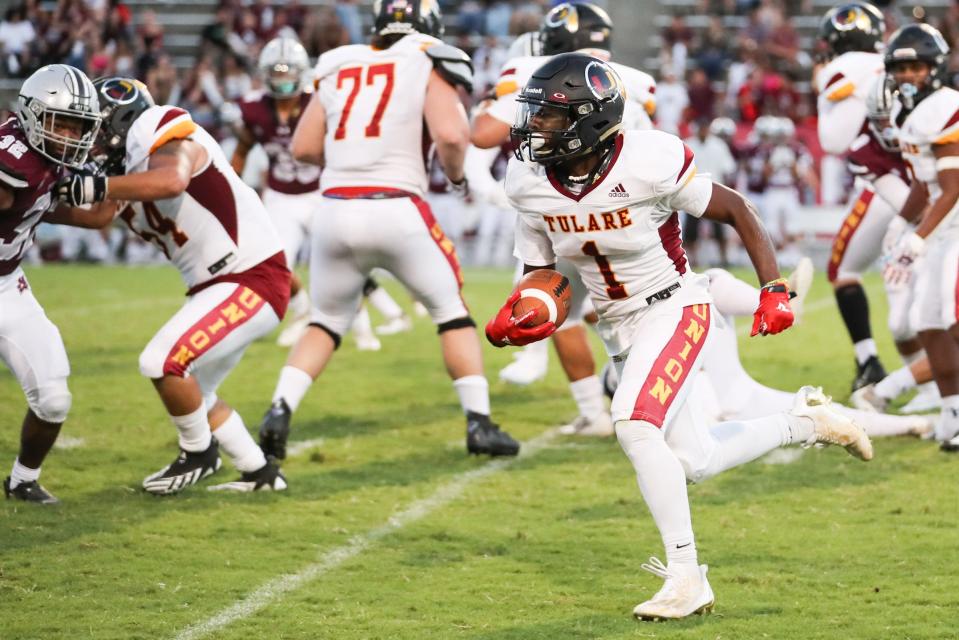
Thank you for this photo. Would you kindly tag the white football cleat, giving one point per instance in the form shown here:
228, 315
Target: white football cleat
830, 427
396, 325
600, 426
928, 399
366, 342
293, 331
800, 280
528, 366
420, 310
866, 399
685, 592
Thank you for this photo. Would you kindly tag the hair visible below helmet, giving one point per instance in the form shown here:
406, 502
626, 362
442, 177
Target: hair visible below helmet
856, 26
923, 43
879, 103
575, 25
392, 17
586, 91
122, 100
59, 91
282, 63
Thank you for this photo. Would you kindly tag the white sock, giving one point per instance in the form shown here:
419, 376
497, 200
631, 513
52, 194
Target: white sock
239, 445
20, 474
948, 425
300, 304
194, 430
588, 394
865, 349
743, 441
361, 324
663, 484
895, 384
732, 296
383, 302
292, 386
474, 394
912, 358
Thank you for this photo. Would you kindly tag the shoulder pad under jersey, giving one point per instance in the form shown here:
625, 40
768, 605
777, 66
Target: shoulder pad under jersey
452, 64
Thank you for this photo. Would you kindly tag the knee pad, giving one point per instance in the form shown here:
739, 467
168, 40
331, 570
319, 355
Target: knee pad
631, 433
337, 338
459, 323
51, 403
153, 362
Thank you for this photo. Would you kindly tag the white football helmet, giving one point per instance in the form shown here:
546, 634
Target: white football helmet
879, 102
283, 62
723, 127
785, 128
60, 114
765, 127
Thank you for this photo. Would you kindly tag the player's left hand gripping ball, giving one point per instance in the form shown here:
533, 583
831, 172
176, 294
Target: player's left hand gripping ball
504, 329
81, 188
774, 313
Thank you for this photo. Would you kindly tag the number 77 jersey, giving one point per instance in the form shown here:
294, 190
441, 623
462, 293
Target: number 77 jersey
621, 232
374, 101
218, 226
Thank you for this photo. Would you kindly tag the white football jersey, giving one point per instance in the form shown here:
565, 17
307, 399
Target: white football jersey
218, 225
934, 121
842, 85
374, 114
639, 90
622, 233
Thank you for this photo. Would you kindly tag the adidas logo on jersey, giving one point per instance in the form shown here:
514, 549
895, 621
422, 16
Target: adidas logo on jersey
619, 191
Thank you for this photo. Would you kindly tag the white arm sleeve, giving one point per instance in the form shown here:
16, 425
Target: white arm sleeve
840, 123
533, 246
693, 197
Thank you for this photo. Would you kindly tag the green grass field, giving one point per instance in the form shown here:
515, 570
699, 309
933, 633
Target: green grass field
390, 531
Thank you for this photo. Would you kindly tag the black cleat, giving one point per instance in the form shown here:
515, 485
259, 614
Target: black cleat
950, 446
483, 436
869, 372
275, 429
266, 478
29, 492
188, 469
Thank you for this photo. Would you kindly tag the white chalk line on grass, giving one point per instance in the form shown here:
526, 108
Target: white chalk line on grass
300, 446
278, 587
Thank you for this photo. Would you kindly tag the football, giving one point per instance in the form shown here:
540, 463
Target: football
545, 291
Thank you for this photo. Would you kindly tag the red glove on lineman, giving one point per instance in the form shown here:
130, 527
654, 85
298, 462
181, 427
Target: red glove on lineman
774, 314
504, 329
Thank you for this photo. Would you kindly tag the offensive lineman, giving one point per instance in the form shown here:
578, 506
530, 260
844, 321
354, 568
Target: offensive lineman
586, 28
169, 181
55, 126
365, 127
655, 315
853, 34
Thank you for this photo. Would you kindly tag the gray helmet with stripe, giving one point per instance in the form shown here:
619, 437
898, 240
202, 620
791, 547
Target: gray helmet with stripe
54, 96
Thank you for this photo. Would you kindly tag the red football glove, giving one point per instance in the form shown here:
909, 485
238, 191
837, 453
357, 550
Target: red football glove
504, 329
774, 314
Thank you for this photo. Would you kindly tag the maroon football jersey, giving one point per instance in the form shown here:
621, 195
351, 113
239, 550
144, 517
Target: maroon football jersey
31, 178
286, 175
868, 159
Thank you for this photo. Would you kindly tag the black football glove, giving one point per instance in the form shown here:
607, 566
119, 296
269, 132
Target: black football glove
81, 188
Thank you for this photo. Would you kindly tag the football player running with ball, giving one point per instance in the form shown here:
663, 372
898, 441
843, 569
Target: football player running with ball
56, 123
365, 125
169, 181
656, 316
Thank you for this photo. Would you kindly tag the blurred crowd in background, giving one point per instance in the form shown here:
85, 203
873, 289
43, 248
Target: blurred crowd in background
722, 66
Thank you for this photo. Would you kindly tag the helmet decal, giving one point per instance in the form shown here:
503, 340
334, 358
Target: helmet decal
121, 90
601, 80
852, 17
564, 14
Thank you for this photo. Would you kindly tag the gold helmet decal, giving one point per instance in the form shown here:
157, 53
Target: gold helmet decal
564, 14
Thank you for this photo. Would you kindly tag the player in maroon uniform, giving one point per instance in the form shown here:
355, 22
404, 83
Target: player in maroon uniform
56, 123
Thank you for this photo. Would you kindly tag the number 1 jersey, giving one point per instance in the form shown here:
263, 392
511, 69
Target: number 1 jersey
374, 114
217, 226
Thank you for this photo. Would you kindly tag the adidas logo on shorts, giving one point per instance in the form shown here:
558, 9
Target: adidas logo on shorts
619, 191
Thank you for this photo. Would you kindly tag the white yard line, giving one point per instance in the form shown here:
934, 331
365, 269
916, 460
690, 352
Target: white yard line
278, 587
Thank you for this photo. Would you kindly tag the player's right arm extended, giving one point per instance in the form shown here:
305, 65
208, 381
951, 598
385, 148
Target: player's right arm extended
448, 126
308, 138
839, 124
